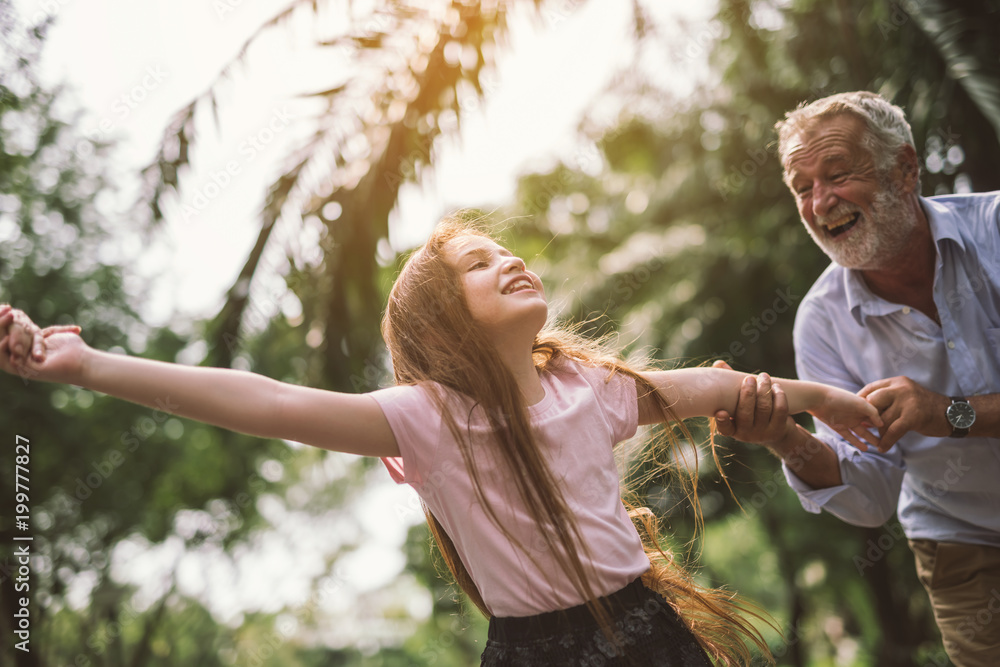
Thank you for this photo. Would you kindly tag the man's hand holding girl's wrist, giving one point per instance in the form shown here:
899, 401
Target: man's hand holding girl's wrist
761, 415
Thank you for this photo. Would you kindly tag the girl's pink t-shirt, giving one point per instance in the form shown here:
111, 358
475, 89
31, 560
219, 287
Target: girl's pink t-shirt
578, 422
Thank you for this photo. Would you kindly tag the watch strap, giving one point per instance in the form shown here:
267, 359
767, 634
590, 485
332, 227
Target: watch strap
955, 431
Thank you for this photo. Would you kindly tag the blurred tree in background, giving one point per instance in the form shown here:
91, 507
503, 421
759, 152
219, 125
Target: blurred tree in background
671, 227
103, 473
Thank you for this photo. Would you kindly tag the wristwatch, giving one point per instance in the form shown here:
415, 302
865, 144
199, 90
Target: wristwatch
961, 416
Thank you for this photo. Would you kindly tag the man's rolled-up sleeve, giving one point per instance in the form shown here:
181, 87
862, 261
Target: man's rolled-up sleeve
869, 494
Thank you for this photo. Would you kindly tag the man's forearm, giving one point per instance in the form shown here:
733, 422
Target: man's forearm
987, 424
812, 460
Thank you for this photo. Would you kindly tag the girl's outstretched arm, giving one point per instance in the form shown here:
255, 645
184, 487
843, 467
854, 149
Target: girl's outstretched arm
236, 400
701, 392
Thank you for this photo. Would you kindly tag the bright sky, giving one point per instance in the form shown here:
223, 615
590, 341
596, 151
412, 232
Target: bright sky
133, 65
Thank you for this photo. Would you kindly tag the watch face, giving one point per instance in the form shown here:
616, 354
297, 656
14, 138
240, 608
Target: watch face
961, 415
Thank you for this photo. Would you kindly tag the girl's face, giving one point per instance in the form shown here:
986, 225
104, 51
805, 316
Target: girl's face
502, 295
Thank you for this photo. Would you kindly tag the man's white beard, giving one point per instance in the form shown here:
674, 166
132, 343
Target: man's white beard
880, 236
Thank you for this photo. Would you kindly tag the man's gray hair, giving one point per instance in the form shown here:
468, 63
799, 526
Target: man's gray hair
887, 129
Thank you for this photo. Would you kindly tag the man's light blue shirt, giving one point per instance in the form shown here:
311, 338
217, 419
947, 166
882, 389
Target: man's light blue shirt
945, 489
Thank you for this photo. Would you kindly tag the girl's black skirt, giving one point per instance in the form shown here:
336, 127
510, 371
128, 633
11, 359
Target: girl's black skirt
647, 629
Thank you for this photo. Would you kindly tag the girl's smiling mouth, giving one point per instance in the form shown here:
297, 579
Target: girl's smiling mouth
518, 285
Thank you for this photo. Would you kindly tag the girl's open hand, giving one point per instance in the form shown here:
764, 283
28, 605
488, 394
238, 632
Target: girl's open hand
850, 416
53, 354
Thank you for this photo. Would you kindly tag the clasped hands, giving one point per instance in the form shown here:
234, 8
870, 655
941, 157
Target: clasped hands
22, 341
762, 413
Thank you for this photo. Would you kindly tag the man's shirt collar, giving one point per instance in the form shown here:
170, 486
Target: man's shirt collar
862, 302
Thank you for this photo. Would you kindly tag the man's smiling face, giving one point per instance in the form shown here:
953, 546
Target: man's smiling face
855, 215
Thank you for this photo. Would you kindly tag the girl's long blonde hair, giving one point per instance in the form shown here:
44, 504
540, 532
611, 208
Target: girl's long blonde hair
431, 337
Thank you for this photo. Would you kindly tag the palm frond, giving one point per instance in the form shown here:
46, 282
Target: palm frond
418, 67
161, 175
965, 35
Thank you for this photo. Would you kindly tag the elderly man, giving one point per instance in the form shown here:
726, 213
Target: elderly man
908, 315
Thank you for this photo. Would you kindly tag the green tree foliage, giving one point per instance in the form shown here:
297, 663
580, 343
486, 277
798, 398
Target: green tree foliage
101, 471
699, 254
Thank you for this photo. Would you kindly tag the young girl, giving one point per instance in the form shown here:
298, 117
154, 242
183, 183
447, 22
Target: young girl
505, 428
